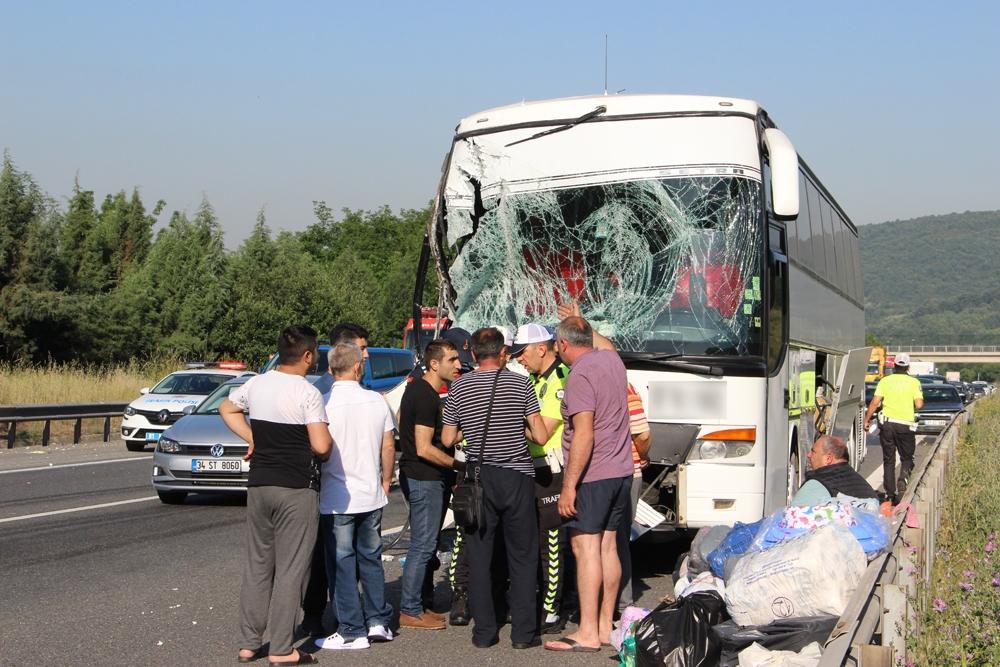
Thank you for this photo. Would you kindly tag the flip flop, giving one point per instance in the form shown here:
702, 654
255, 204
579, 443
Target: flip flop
257, 655
574, 646
304, 659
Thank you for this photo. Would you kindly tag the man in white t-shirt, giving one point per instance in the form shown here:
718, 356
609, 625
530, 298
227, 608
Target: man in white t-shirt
353, 491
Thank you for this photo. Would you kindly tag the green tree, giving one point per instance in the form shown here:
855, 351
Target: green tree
20, 202
80, 221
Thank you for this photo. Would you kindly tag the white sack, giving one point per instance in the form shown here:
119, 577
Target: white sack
756, 655
807, 576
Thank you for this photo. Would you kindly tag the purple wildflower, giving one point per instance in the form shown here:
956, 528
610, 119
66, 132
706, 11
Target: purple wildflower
965, 586
996, 581
939, 605
991, 546
968, 574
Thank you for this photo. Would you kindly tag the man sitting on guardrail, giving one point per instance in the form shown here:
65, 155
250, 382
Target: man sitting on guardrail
831, 474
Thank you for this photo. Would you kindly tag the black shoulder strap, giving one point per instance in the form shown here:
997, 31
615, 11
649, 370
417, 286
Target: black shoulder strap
486, 425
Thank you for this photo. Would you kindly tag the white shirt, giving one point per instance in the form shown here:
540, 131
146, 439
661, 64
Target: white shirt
352, 477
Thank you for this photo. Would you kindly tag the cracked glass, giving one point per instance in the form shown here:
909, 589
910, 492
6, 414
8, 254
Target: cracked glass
669, 265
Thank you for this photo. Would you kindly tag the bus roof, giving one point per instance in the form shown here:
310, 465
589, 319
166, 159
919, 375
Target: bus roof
568, 108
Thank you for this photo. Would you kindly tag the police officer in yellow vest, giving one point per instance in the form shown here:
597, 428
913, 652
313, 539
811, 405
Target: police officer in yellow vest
534, 348
899, 396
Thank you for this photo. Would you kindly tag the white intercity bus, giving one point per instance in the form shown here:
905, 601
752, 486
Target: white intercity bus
693, 236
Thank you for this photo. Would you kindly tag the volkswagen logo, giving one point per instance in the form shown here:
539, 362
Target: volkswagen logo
217, 450
162, 416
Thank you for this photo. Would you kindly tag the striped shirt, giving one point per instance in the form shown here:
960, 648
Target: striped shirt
468, 402
636, 424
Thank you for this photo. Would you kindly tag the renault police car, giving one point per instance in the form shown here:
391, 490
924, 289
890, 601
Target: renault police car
156, 409
199, 453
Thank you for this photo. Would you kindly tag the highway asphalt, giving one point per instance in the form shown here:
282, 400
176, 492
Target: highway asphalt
95, 570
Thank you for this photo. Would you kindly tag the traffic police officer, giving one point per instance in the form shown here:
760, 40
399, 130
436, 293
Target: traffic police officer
534, 349
900, 396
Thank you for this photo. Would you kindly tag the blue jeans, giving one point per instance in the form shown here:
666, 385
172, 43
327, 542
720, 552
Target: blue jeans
353, 544
426, 499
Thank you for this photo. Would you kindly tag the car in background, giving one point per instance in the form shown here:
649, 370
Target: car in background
199, 454
869, 392
931, 378
980, 388
386, 368
960, 388
146, 418
941, 404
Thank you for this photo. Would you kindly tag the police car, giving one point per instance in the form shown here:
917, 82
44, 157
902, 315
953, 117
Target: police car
160, 406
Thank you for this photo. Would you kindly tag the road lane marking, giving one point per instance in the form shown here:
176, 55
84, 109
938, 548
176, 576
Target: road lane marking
77, 509
76, 465
449, 520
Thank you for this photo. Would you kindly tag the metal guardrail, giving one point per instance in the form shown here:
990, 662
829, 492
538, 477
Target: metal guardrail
872, 629
892, 349
15, 414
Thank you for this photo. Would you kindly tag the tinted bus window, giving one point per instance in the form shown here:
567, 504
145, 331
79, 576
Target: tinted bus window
816, 224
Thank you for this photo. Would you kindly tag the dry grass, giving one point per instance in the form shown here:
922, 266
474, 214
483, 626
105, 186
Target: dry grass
24, 385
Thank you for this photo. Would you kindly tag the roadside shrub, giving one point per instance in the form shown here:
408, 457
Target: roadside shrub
960, 624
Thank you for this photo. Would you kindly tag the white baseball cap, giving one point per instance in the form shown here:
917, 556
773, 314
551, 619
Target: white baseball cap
528, 334
902, 359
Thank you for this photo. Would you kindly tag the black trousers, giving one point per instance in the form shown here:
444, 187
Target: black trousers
314, 601
895, 437
509, 503
552, 540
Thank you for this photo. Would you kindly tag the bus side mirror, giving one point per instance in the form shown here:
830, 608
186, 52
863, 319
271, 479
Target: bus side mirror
784, 162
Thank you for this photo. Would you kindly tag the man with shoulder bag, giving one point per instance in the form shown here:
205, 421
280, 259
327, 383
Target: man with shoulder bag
490, 406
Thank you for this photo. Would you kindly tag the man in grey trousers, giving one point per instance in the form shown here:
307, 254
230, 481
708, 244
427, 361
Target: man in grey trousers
288, 435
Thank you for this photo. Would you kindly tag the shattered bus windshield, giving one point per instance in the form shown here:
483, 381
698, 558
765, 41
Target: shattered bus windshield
668, 265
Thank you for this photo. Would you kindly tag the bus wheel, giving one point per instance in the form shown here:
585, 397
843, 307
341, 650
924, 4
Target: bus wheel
794, 478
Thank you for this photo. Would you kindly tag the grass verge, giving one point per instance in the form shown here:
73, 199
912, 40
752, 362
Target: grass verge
961, 622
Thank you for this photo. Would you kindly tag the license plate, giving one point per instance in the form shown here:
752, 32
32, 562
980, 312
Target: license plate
935, 422
216, 465
153, 436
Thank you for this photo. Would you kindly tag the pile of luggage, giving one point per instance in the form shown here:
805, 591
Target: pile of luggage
766, 593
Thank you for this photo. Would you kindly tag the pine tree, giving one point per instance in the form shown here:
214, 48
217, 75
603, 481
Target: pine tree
79, 224
19, 204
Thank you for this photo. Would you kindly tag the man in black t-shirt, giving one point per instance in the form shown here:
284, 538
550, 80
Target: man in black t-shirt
287, 433
425, 475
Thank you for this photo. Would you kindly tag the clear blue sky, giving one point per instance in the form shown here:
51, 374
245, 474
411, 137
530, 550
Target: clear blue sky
275, 104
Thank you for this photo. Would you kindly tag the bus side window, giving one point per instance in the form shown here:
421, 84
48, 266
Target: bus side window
777, 298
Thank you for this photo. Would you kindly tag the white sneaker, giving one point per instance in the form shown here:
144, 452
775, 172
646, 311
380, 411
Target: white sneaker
338, 643
379, 634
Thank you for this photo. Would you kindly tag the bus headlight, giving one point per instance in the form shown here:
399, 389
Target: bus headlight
712, 449
726, 444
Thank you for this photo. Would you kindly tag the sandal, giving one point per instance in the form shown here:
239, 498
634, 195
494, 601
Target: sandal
574, 646
257, 655
304, 659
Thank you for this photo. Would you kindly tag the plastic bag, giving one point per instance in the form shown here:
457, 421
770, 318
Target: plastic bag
870, 529
807, 576
624, 630
757, 656
678, 634
735, 543
790, 634
627, 652
705, 542
704, 582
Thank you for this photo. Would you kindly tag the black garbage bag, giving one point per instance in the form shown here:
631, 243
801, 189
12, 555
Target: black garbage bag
678, 634
787, 634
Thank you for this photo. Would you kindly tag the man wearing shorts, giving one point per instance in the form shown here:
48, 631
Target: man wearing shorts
597, 449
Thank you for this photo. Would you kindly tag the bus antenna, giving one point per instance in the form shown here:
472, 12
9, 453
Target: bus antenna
605, 63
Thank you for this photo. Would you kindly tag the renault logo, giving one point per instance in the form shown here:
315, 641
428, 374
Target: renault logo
217, 450
162, 416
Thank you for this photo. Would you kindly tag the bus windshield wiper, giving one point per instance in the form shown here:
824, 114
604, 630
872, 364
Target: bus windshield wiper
649, 356
573, 123
670, 360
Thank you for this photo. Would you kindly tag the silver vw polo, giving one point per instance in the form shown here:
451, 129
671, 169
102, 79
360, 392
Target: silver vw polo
199, 454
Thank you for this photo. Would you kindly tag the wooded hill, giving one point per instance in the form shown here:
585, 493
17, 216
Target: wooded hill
933, 280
